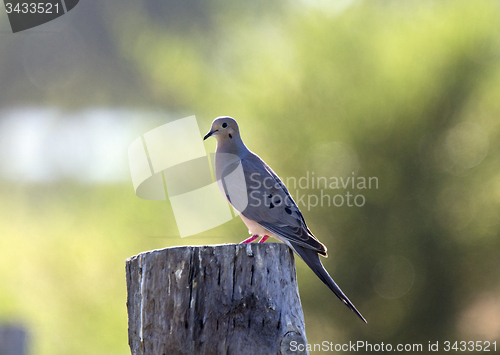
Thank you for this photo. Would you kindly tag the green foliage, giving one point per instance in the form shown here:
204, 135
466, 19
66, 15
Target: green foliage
403, 91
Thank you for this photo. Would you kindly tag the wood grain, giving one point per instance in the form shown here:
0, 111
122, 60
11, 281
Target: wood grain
223, 299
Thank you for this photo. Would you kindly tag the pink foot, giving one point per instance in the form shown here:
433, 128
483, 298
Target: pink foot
251, 239
264, 238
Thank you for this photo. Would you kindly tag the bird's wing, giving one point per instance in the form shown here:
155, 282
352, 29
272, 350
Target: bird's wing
271, 205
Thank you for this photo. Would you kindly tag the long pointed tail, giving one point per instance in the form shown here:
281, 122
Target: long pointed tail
311, 258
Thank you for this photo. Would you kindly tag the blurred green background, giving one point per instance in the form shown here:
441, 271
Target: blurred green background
405, 91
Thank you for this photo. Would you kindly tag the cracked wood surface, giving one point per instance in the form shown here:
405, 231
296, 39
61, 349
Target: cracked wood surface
224, 299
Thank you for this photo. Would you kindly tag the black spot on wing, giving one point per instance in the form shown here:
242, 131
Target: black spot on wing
230, 136
271, 205
288, 210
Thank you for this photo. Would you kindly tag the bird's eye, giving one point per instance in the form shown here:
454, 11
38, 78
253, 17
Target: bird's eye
224, 125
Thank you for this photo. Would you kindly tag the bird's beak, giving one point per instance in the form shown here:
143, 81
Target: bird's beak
209, 134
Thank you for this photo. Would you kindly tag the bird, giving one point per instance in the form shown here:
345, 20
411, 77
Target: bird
270, 210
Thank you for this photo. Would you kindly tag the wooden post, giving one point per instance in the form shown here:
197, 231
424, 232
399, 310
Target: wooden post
225, 299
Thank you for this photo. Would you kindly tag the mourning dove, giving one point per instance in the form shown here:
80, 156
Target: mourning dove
269, 210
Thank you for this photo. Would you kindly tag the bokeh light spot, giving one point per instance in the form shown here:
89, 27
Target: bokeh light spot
393, 276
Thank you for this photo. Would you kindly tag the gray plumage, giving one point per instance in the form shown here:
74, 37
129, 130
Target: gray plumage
270, 209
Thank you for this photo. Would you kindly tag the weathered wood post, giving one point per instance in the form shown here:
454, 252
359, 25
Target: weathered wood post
225, 299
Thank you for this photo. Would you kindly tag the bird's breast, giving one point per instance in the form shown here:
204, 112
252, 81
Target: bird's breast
255, 228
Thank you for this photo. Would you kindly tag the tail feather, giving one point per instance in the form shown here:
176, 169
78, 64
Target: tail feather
311, 258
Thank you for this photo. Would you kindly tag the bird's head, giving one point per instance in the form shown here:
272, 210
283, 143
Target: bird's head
224, 129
